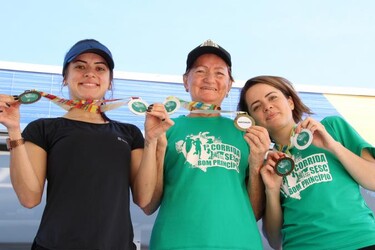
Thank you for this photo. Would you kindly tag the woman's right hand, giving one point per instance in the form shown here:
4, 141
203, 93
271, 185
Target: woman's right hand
9, 112
157, 122
271, 180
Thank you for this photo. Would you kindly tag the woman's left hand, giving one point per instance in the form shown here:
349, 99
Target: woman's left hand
321, 138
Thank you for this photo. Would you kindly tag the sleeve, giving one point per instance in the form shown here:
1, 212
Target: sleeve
138, 139
343, 132
35, 133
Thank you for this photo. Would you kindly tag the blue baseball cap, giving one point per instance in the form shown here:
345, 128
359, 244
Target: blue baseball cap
88, 46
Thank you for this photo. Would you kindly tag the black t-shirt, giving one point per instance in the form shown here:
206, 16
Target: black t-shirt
88, 180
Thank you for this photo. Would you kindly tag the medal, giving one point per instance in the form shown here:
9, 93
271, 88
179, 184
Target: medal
302, 140
171, 104
29, 96
137, 106
243, 121
284, 166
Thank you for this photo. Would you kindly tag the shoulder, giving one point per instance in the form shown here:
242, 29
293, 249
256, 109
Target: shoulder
41, 122
332, 119
335, 123
126, 128
124, 125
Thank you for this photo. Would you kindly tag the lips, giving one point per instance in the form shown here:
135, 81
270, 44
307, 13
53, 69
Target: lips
271, 116
209, 88
90, 84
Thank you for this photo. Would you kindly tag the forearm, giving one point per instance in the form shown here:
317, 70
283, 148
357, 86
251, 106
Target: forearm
158, 192
362, 170
146, 177
272, 219
255, 188
25, 181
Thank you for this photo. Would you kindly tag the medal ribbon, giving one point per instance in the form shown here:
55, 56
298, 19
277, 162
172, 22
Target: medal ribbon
286, 148
96, 106
193, 105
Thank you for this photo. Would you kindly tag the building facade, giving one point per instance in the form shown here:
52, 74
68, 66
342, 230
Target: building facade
19, 224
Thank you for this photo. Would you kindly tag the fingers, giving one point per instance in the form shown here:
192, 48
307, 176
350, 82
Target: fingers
258, 137
274, 156
7, 100
157, 110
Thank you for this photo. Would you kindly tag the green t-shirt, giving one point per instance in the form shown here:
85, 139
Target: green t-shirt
322, 204
205, 202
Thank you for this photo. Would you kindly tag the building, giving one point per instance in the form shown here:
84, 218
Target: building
19, 224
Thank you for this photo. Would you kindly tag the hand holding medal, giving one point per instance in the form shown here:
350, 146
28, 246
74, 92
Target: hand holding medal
284, 165
300, 141
136, 105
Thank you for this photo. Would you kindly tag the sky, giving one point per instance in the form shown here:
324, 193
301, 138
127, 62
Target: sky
312, 42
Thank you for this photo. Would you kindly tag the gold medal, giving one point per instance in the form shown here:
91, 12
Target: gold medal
243, 121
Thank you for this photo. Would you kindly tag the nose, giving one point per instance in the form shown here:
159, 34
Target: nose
89, 72
210, 77
267, 107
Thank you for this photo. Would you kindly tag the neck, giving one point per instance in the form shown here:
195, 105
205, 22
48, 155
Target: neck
203, 114
282, 136
82, 115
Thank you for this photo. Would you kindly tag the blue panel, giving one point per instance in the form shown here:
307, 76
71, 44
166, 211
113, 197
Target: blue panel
15, 82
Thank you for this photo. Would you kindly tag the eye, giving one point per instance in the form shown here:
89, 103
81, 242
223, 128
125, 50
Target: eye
199, 70
79, 66
272, 97
99, 68
255, 107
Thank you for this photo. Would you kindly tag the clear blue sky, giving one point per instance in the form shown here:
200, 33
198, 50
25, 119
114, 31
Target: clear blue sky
317, 42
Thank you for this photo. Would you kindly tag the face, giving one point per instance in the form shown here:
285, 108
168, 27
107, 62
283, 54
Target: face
208, 80
269, 107
88, 77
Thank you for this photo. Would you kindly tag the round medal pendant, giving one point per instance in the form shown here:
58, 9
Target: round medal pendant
29, 96
138, 106
302, 140
243, 121
171, 104
284, 166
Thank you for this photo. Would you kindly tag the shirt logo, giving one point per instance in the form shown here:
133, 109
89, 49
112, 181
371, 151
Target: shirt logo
308, 171
120, 139
204, 151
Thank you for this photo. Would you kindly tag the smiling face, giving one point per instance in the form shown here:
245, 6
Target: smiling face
88, 77
270, 107
208, 80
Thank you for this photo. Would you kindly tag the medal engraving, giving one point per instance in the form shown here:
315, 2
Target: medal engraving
302, 140
284, 166
171, 104
29, 96
138, 106
243, 121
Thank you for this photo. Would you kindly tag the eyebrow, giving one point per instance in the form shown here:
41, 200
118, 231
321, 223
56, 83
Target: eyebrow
82, 61
268, 94
205, 66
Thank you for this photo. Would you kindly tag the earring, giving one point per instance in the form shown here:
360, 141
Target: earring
187, 90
